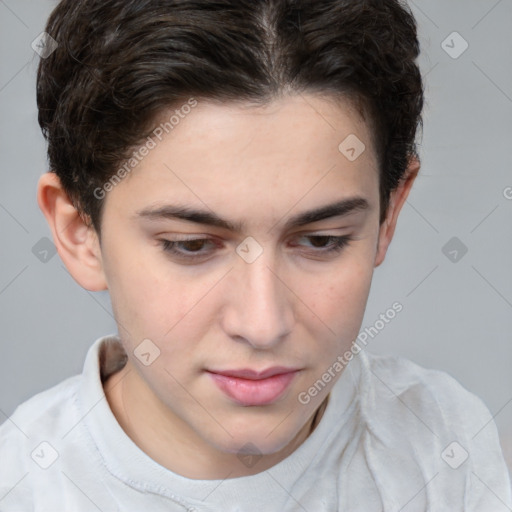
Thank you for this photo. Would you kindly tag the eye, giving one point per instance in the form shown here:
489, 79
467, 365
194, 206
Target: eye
321, 243
188, 249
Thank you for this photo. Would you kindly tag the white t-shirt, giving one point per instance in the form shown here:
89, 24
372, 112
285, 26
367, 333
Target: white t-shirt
394, 437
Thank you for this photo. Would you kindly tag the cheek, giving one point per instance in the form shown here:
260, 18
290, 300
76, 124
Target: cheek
146, 302
339, 299
154, 299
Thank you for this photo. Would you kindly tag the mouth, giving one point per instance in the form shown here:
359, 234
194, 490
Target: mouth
251, 388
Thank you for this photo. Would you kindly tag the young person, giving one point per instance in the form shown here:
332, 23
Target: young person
232, 172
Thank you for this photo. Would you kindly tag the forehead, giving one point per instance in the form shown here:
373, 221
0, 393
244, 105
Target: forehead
293, 119
237, 154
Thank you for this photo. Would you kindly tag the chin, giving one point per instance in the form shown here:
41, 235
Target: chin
256, 440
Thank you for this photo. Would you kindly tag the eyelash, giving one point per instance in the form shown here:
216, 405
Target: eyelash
338, 244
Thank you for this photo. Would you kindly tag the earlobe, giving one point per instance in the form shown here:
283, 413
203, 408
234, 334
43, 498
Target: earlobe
396, 201
76, 242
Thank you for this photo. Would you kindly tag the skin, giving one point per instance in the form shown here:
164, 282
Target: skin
292, 306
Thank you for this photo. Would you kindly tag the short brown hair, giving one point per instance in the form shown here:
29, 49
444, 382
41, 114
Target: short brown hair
120, 63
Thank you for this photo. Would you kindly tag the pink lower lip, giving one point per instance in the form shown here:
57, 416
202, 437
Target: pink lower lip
253, 392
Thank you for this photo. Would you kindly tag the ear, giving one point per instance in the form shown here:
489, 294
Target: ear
76, 242
396, 201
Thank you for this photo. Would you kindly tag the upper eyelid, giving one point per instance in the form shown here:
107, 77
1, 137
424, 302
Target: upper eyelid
202, 236
212, 240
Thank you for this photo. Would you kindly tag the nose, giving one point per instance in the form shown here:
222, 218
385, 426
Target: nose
259, 310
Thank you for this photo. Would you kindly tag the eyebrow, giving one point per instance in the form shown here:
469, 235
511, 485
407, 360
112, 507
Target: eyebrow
186, 213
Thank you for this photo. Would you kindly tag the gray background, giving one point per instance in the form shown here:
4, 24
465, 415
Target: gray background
457, 315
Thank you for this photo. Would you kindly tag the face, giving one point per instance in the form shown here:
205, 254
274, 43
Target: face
267, 287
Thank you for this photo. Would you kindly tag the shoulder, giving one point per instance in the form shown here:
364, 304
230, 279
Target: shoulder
46, 408
436, 427
27, 436
433, 393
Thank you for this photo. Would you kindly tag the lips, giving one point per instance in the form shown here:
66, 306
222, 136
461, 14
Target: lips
251, 388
